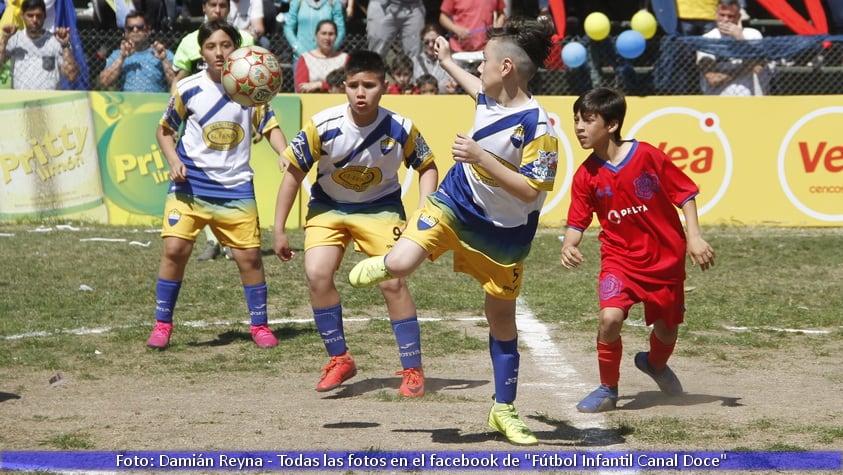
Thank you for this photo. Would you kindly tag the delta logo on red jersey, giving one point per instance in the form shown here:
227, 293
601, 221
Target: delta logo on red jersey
704, 153
810, 164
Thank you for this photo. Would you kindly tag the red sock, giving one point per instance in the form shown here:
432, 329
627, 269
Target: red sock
659, 353
609, 362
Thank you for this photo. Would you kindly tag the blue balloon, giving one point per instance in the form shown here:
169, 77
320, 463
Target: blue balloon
574, 54
630, 44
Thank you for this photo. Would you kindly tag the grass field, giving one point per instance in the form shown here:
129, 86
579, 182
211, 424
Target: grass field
773, 300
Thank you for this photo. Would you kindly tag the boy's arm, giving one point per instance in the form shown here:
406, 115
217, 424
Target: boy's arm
278, 142
571, 255
428, 181
167, 143
283, 204
466, 150
699, 251
469, 82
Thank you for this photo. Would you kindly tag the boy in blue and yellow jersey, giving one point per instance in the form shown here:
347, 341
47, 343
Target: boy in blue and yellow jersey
487, 208
357, 149
212, 182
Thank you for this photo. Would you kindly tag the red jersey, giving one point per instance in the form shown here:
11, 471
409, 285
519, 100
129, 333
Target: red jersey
635, 203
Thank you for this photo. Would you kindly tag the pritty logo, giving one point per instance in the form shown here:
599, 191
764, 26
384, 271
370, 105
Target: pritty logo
810, 164
705, 154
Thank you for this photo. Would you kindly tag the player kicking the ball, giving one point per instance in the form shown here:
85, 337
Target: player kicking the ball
634, 189
487, 208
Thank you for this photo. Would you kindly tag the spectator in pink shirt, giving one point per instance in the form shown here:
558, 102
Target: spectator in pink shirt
468, 21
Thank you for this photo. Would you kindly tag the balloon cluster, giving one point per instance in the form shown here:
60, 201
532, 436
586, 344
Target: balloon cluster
629, 44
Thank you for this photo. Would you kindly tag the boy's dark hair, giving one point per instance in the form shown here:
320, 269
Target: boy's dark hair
427, 79
605, 102
335, 78
532, 36
365, 61
33, 5
208, 28
401, 63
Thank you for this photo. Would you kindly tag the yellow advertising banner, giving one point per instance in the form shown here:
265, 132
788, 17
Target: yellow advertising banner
758, 161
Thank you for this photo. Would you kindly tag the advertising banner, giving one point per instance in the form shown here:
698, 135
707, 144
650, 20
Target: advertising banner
758, 161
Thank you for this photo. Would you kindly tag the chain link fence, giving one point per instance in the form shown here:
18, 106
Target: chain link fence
796, 65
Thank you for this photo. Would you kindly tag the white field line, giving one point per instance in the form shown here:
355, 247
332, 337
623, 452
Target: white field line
202, 323
559, 375
640, 323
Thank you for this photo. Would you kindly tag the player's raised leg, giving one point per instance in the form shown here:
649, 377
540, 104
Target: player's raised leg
404, 258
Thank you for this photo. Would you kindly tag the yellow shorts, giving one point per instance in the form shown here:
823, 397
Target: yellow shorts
434, 229
234, 222
373, 231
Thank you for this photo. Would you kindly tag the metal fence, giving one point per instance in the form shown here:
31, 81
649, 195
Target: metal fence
798, 65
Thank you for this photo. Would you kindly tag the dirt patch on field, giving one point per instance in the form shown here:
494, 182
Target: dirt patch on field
783, 400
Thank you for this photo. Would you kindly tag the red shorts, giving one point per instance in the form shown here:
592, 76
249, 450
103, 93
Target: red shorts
661, 301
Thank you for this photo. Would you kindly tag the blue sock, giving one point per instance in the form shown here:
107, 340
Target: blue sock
166, 294
329, 323
256, 301
505, 360
408, 336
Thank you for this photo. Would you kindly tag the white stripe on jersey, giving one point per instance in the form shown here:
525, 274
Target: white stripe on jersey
215, 144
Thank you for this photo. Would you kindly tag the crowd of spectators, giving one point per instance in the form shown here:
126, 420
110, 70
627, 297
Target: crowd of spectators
402, 31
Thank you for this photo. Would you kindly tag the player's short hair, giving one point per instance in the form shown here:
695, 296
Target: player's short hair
524, 40
33, 5
365, 61
209, 27
605, 102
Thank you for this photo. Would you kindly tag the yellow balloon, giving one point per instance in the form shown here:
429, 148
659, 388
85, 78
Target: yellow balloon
597, 26
645, 23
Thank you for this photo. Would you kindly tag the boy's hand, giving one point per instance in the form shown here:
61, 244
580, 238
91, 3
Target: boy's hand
178, 172
442, 49
466, 150
282, 247
700, 253
571, 257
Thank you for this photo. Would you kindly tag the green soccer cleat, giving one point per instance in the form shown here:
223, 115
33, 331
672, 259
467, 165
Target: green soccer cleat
368, 272
504, 419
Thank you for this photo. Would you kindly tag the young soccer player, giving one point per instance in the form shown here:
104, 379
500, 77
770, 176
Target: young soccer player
487, 207
357, 149
212, 182
634, 190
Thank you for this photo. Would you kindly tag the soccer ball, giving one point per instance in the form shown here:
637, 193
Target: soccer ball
251, 76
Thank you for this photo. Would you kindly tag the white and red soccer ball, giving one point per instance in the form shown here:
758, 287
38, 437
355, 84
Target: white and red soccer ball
251, 76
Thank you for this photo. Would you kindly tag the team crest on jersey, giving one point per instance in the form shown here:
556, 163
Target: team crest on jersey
610, 286
223, 136
357, 178
426, 222
173, 217
387, 145
517, 137
646, 185
545, 167
422, 149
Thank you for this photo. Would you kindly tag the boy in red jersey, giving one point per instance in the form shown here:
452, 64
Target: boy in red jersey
634, 189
